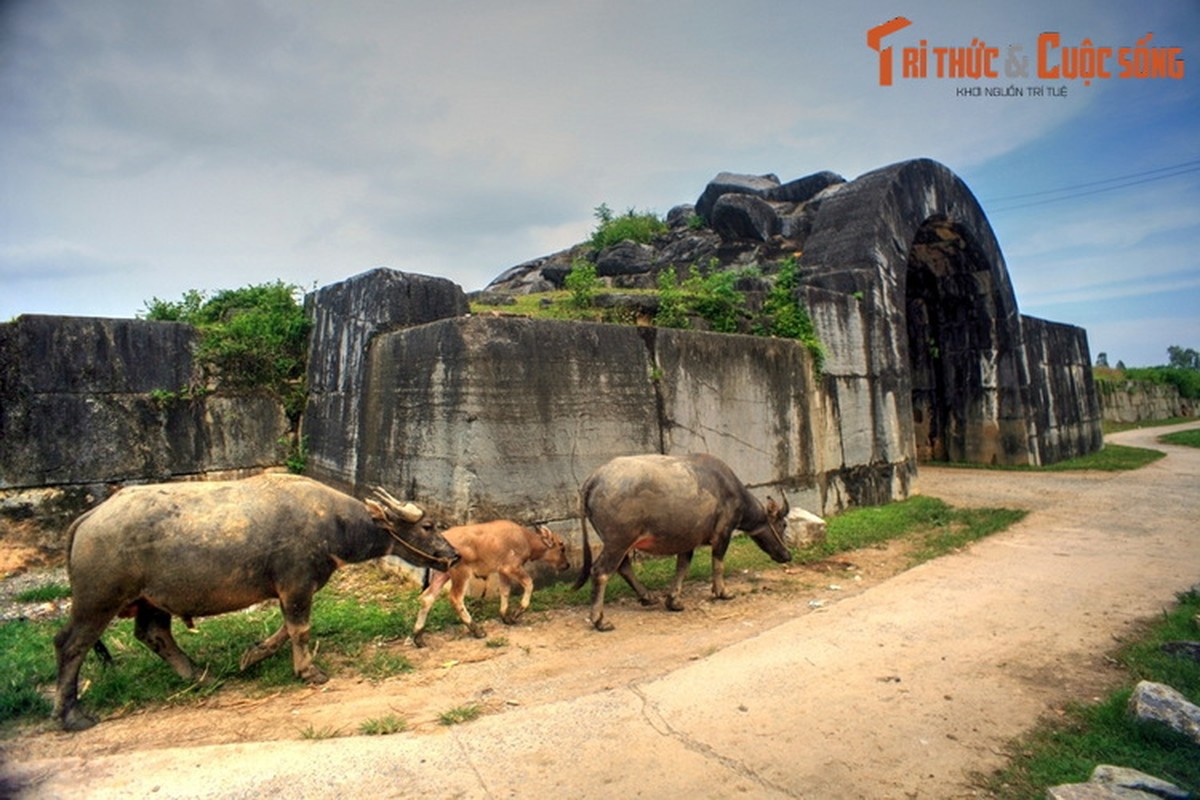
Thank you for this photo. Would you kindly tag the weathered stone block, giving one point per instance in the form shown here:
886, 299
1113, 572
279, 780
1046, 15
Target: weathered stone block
79, 355
78, 406
346, 316
480, 418
739, 398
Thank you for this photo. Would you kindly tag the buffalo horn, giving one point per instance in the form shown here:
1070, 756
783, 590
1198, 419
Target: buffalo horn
409, 512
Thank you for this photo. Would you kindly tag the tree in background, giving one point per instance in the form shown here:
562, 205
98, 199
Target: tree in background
1183, 358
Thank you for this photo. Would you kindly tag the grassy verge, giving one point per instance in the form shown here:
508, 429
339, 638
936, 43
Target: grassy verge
1188, 438
1117, 427
360, 619
1110, 458
1104, 733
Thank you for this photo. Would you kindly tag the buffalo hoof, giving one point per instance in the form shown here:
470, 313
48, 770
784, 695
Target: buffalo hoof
419, 639
648, 600
673, 604
723, 596
477, 631
602, 626
312, 674
76, 720
511, 618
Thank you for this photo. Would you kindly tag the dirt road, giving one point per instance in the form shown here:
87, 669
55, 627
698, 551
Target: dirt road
866, 685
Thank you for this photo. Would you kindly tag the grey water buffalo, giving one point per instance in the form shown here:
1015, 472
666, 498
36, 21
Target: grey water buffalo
502, 548
670, 505
198, 549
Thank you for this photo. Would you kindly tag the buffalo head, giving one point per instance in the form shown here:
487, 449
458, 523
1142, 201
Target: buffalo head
770, 535
416, 539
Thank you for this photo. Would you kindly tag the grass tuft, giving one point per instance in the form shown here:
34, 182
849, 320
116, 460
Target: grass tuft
383, 726
460, 714
44, 594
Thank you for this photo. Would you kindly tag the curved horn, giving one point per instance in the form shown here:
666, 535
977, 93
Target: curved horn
409, 512
786, 505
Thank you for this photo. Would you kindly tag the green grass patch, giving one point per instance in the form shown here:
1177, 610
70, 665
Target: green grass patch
44, 594
361, 618
931, 526
1110, 458
1105, 733
1188, 438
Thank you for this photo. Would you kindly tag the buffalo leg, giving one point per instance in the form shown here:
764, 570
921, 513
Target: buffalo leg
297, 609
152, 627
71, 645
458, 589
625, 570
265, 648
430, 595
682, 562
507, 579
599, 583
718, 575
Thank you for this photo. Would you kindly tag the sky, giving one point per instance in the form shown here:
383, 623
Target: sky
148, 148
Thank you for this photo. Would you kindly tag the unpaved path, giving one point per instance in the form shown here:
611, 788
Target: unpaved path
892, 687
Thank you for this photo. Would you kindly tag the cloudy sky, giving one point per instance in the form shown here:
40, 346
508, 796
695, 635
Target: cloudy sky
148, 147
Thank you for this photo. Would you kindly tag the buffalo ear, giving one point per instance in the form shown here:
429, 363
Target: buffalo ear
377, 511
775, 510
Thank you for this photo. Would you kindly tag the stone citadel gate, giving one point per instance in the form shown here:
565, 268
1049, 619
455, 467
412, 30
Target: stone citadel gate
927, 358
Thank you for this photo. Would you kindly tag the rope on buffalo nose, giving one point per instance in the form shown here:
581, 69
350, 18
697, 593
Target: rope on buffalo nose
434, 559
778, 536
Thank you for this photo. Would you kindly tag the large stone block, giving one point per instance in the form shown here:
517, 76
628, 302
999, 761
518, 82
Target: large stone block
740, 398
79, 406
480, 417
346, 317
78, 355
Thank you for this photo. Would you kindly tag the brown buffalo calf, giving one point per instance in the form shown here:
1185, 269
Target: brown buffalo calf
500, 548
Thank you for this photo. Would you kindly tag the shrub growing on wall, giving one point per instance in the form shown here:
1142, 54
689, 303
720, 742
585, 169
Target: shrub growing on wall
252, 337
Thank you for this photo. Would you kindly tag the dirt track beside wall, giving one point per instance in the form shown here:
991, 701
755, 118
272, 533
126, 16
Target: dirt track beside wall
891, 685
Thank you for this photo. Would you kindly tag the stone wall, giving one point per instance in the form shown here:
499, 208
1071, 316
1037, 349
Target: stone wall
346, 316
1064, 412
484, 417
1137, 401
78, 406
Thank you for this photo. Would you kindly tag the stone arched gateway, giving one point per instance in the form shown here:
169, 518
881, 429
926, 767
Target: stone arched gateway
943, 338
482, 416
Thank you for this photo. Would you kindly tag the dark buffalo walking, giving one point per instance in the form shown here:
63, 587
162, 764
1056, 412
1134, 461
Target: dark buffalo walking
198, 549
670, 505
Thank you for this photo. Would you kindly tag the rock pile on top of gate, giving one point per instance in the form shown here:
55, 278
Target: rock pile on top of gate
738, 221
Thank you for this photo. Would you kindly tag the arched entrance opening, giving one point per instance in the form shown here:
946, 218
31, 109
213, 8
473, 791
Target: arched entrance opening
955, 345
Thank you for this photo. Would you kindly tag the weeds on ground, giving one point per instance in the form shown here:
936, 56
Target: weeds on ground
460, 714
383, 726
1105, 733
